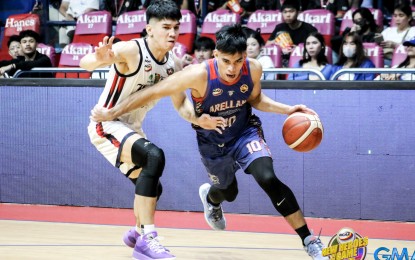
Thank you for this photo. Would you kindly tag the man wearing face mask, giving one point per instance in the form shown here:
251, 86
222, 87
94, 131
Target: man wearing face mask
352, 55
363, 24
31, 57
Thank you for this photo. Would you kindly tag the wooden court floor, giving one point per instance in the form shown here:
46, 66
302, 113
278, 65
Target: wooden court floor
54, 232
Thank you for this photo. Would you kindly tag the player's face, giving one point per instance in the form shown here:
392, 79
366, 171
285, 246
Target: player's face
252, 48
313, 46
164, 32
28, 45
15, 49
229, 65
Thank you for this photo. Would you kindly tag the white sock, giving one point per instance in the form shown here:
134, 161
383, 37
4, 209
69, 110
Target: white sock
145, 229
137, 229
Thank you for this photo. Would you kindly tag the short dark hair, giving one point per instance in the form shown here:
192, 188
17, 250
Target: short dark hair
29, 33
13, 38
231, 39
163, 9
295, 4
204, 43
256, 34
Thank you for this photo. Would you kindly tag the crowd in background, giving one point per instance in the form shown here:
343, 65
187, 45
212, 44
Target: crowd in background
347, 49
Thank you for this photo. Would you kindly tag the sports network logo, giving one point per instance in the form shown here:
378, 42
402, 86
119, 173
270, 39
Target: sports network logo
346, 245
387, 254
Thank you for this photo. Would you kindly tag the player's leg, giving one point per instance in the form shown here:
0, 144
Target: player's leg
285, 203
150, 158
224, 185
255, 158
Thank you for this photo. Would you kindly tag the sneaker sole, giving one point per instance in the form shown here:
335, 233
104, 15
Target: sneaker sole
139, 256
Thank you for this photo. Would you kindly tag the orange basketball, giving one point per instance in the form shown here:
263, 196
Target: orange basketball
302, 132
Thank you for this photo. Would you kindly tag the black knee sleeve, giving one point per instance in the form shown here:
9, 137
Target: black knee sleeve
229, 194
280, 194
151, 158
159, 187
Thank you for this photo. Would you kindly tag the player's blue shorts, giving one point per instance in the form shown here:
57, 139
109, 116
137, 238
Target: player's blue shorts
222, 162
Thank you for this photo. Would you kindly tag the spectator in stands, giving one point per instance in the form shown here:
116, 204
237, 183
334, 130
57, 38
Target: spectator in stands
297, 30
409, 62
363, 24
13, 44
254, 44
394, 36
71, 10
340, 7
204, 47
117, 7
31, 57
352, 55
313, 58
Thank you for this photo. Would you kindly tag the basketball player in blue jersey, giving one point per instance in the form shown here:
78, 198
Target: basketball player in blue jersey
139, 64
229, 86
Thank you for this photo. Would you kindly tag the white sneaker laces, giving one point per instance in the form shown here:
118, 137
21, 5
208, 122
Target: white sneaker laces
154, 245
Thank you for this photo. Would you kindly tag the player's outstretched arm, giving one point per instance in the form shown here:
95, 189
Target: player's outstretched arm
262, 102
176, 83
108, 53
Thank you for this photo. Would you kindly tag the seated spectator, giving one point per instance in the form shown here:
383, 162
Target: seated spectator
409, 62
31, 57
363, 24
297, 30
313, 58
394, 36
117, 7
204, 47
13, 44
72, 9
254, 43
352, 55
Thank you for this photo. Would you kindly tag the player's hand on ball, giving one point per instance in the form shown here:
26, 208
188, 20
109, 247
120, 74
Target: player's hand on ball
301, 108
100, 114
208, 122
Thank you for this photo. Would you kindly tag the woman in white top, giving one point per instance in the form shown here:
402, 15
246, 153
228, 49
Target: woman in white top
402, 31
255, 42
409, 63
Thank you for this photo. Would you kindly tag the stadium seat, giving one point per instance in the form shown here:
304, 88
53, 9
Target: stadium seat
216, 20
322, 19
375, 53
274, 52
92, 27
48, 51
399, 55
188, 29
297, 55
70, 57
14, 25
347, 20
180, 49
265, 20
130, 25
13, 7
